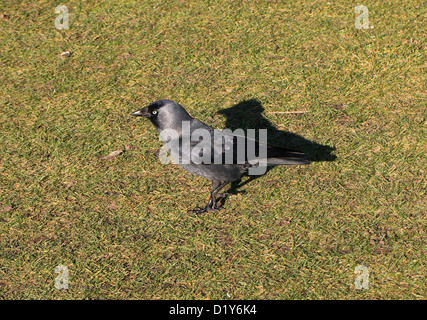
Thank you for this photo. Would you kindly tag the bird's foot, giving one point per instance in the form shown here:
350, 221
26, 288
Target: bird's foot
200, 210
205, 209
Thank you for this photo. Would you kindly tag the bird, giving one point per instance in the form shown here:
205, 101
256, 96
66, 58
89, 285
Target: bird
222, 162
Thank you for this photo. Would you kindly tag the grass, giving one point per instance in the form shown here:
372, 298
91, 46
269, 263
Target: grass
121, 225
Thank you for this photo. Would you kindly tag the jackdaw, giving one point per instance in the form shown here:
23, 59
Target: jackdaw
222, 160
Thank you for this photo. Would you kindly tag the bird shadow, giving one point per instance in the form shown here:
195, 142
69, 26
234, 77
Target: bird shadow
248, 114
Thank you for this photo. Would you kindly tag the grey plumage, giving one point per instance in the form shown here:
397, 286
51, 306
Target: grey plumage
168, 115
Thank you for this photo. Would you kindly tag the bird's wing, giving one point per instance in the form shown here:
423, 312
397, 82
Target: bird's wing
215, 146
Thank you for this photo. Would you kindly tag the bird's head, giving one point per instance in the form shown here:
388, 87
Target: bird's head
164, 114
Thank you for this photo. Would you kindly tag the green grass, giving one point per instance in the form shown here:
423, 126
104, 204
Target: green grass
121, 225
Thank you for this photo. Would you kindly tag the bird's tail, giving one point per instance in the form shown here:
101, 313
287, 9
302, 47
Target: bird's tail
287, 161
277, 156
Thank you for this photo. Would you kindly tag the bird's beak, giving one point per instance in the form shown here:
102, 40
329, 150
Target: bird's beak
141, 113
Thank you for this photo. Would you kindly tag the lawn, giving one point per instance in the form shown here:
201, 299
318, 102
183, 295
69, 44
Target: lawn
355, 100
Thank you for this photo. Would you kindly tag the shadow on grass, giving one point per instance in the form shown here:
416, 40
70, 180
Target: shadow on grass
248, 115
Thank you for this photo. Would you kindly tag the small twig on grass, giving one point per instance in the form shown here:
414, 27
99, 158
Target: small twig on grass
113, 154
289, 112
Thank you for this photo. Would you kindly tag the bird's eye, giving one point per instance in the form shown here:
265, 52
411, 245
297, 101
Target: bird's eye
154, 112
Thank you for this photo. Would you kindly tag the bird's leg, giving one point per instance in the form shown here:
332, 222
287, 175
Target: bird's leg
216, 186
211, 205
